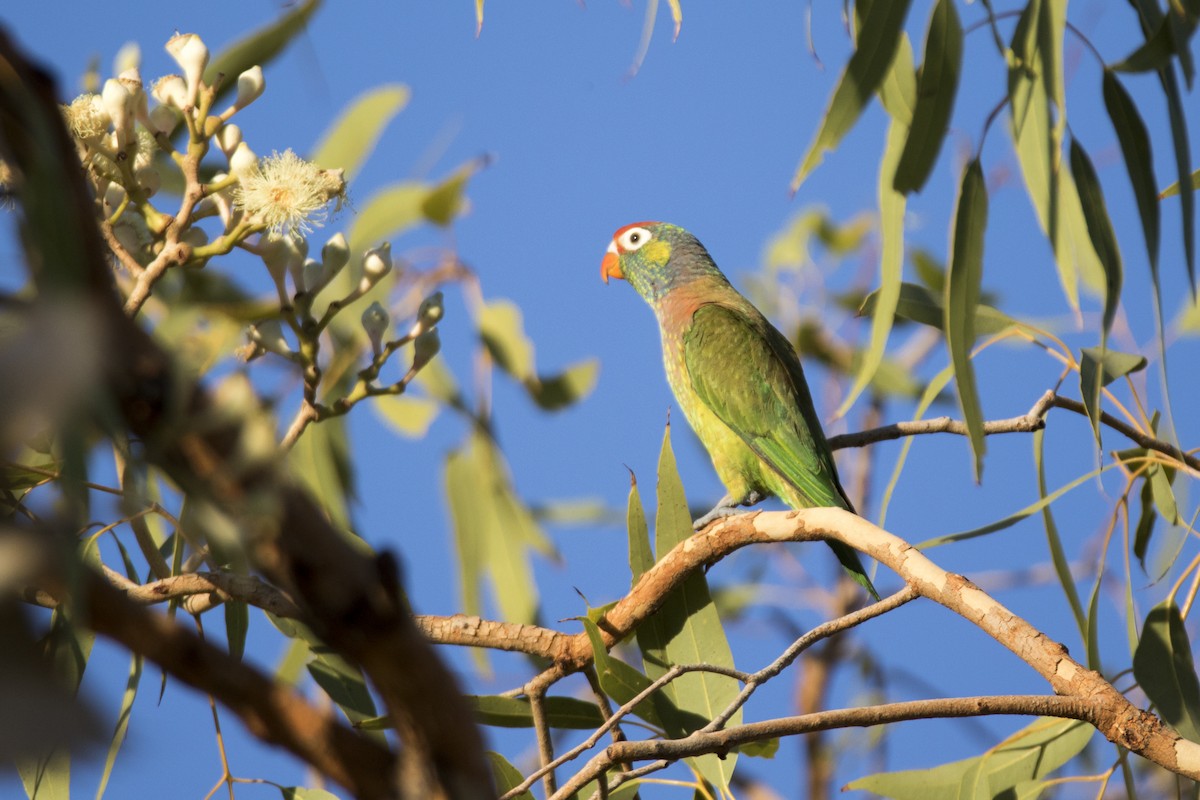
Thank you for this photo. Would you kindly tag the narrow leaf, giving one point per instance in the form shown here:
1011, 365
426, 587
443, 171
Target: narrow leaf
506, 776
898, 90
1139, 161
963, 282
1098, 368
641, 556
620, 681
919, 304
566, 388
1099, 226
1164, 669
878, 37
237, 624
259, 47
406, 415
514, 712
354, 134
1058, 556
937, 87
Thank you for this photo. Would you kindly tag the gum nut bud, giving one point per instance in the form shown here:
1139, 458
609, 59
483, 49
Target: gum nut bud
269, 334
335, 254
314, 275
426, 347
375, 320
250, 86
228, 138
149, 179
376, 264
163, 119
191, 55
119, 105
114, 195
243, 161
297, 270
171, 90
196, 237
431, 311
275, 254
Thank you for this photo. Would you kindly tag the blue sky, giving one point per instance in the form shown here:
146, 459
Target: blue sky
706, 135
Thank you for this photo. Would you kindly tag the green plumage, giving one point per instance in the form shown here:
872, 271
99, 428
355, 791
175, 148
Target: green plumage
736, 378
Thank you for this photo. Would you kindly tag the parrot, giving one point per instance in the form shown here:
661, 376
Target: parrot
736, 378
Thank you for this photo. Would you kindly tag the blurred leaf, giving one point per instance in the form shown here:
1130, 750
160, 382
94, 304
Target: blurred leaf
1164, 669
1173, 189
880, 29
1139, 161
963, 282
561, 712
321, 460
1104, 241
579, 511
407, 415
345, 685
1160, 491
388, 213
1058, 556
439, 383
353, 136
1151, 55
921, 305
686, 629
930, 271
1097, 369
300, 793
891, 266
898, 90
506, 776
1146, 519
258, 48
641, 556
445, 200
937, 87
767, 748
1029, 754
566, 388
503, 333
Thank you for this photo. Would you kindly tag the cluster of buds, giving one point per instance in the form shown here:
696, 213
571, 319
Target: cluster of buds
126, 134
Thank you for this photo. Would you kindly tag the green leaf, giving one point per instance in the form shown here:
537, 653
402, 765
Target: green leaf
354, 134
1164, 669
237, 624
506, 776
767, 748
1058, 556
919, 304
878, 37
641, 556
406, 415
1151, 55
1098, 368
620, 681
937, 87
1173, 189
1029, 754
1139, 161
689, 625
344, 683
321, 460
891, 266
566, 388
1104, 241
445, 201
963, 282
502, 330
301, 793
1146, 519
898, 90
259, 47
387, 214
1160, 491
513, 712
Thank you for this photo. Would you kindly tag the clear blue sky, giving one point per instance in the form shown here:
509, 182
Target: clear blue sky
707, 135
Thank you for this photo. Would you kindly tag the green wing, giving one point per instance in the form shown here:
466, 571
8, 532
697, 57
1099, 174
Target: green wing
747, 374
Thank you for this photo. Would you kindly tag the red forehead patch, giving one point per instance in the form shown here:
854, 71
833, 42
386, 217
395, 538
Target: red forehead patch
621, 230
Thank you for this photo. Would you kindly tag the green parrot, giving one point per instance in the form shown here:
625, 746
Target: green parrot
736, 377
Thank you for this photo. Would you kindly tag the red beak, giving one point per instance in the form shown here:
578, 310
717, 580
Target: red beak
610, 267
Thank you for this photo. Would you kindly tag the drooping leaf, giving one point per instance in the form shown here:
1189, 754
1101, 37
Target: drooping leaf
555, 392
514, 712
388, 213
1058, 556
898, 90
937, 86
963, 282
354, 134
237, 625
409, 416
641, 556
1029, 754
1097, 369
1104, 241
919, 304
1151, 55
506, 776
321, 460
1139, 161
878, 37
891, 266
445, 200
1146, 519
1164, 669
620, 681
1173, 189
259, 47
502, 330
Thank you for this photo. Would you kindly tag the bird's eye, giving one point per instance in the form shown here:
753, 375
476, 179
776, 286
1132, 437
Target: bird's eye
634, 238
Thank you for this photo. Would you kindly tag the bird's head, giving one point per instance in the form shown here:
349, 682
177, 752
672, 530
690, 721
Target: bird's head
655, 257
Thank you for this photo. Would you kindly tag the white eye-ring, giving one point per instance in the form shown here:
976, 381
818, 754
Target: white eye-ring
634, 238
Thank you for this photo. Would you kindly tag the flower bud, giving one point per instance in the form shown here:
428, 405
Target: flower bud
191, 54
131, 79
425, 348
243, 161
149, 179
114, 195
268, 334
314, 276
431, 311
279, 253
334, 255
250, 86
119, 104
228, 139
194, 236
171, 90
375, 322
163, 119
376, 264
297, 270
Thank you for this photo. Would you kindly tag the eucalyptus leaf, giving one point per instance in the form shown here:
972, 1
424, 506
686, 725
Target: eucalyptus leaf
1165, 671
354, 134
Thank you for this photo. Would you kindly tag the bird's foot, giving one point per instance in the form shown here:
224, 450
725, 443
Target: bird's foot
727, 507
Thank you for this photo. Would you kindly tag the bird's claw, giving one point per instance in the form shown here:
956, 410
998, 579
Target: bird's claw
727, 507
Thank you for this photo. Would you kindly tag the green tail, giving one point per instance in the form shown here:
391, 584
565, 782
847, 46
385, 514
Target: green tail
853, 564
